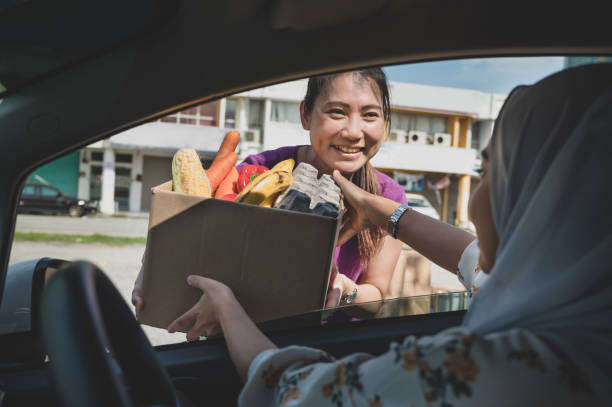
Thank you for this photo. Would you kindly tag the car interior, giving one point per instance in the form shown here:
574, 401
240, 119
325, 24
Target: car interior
73, 73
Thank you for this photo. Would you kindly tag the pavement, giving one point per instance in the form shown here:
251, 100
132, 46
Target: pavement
134, 225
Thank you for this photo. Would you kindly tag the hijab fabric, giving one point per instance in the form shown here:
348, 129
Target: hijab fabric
550, 169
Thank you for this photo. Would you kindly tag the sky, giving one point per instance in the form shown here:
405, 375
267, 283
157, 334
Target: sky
492, 75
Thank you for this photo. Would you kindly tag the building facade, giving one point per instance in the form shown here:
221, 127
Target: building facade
433, 146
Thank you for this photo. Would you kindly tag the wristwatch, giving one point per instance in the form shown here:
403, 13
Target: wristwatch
394, 219
347, 299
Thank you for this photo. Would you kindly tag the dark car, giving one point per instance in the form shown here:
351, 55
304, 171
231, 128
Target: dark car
41, 198
75, 73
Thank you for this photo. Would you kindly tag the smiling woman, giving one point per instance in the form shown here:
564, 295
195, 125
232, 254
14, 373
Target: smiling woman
347, 116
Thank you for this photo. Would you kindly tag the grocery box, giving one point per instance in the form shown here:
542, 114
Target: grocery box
277, 262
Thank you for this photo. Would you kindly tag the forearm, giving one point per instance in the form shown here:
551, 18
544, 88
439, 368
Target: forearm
440, 242
237, 327
367, 292
374, 281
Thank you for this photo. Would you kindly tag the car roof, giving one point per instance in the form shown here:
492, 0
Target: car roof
185, 53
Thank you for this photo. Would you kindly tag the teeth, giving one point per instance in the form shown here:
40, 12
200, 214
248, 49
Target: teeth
348, 149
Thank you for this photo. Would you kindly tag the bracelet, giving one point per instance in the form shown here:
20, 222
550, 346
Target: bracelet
349, 298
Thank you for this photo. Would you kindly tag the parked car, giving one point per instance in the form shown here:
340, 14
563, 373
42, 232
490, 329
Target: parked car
74, 74
41, 198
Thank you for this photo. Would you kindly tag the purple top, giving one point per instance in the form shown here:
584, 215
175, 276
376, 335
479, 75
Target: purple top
347, 255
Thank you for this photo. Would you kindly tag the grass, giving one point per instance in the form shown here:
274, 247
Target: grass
95, 238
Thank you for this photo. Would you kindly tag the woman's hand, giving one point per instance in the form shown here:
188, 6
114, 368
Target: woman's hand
204, 317
356, 200
339, 286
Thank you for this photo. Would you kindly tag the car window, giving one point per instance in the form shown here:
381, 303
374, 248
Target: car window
442, 117
48, 192
28, 190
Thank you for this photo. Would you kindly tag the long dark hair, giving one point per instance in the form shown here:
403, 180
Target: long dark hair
368, 239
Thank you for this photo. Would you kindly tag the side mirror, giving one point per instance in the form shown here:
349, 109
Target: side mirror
20, 338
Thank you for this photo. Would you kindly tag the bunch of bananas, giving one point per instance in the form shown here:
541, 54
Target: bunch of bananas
264, 189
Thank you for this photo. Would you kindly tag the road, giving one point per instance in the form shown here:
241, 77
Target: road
130, 226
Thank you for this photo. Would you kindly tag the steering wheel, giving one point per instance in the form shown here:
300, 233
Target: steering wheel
98, 353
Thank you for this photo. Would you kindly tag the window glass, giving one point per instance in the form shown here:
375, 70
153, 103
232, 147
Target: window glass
203, 115
123, 158
414, 121
28, 190
461, 101
285, 112
256, 114
48, 192
230, 114
97, 156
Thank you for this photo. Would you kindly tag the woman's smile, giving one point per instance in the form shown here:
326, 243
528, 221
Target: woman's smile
348, 152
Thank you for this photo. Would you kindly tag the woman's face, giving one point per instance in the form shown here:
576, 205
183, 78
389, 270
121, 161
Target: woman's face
480, 213
346, 124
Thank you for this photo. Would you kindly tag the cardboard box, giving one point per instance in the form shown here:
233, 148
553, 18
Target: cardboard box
277, 262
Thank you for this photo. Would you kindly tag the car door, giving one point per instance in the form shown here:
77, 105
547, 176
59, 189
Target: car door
50, 199
28, 200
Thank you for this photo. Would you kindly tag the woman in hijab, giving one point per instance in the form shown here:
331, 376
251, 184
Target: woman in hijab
539, 331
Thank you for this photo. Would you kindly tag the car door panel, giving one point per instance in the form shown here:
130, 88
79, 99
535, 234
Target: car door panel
204, 373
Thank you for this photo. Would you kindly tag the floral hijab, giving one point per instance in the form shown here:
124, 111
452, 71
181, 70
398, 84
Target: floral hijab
551, 195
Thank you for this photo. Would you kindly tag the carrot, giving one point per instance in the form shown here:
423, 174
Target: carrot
219, 169
228, 185
229, 143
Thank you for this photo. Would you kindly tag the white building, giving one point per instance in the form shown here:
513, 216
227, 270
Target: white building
435, 131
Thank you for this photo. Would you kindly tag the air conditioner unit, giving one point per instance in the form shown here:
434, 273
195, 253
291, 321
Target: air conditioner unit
442, 139
396, 135
250, 142
251, 136
416, 137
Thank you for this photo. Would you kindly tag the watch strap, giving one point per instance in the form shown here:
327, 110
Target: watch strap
349, 298
394, 219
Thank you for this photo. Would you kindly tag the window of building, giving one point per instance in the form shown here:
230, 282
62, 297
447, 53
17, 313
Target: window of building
123, 180
256, 113
439, 124
208, 114
286, 112
95, 183
123, 158
476, 137
97, 156
230, 113
202, 115
421, 122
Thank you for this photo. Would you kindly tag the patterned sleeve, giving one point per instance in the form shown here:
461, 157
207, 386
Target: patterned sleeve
468, 270
454, 368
